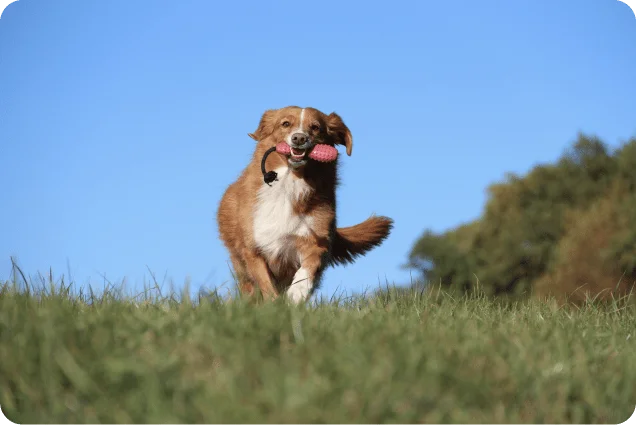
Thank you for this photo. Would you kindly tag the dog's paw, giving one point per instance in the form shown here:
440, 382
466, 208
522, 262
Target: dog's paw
297, 294
300, 289
301, 286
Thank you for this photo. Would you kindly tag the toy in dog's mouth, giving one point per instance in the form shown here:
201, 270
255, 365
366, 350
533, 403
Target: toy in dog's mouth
299, 156
319, 152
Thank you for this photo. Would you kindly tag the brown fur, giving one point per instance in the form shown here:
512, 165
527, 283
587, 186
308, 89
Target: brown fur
325, 244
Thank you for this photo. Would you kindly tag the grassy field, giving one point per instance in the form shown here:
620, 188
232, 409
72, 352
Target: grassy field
395, 357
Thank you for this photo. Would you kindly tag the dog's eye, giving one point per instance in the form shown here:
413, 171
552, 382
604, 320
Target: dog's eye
286, 124
315, 127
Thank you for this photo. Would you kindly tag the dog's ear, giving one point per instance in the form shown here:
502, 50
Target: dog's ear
339, 131
265, 127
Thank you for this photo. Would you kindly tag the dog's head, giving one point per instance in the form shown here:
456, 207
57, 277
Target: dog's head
301, 129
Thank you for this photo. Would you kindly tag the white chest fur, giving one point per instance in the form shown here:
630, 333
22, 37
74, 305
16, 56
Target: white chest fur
274, 220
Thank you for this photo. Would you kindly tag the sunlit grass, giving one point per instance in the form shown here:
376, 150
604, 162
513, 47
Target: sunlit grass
71, 355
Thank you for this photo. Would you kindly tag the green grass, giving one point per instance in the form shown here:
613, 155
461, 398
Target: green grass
395, 357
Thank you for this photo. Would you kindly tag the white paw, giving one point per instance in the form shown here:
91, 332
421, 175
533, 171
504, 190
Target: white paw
300, 288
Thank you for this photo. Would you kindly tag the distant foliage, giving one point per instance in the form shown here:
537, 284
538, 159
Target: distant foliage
566, 229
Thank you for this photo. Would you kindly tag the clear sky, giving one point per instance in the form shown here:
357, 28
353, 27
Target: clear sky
122, 122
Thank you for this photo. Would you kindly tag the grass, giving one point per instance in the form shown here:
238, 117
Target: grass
399, 356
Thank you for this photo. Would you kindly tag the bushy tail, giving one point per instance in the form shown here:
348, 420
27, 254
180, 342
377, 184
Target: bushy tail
354, 241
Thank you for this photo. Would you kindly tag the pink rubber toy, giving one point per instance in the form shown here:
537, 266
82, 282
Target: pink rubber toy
320, 152
283, 148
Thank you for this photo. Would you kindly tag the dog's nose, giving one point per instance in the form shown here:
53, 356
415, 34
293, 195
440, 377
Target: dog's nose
299, 139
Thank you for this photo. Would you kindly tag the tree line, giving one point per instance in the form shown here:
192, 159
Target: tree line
566, 229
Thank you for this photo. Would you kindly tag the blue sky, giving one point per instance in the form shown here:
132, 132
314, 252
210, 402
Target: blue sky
122, 122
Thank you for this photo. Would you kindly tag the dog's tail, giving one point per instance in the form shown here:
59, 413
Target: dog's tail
354, 241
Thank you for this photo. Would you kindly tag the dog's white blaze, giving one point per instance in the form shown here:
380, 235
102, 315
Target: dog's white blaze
298, 129
274, 220
302, 119
300, 287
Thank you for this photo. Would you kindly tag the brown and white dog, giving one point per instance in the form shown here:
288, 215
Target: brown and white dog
282, 236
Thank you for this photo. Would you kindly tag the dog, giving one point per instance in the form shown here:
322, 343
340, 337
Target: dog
282, 235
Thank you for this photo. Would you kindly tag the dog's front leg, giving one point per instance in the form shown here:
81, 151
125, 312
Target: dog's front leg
258, 272
307, 275
301, 286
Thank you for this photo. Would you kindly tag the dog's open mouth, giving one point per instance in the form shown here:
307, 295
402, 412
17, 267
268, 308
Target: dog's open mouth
297, 155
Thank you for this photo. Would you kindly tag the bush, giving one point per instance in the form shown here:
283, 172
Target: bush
536, 229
